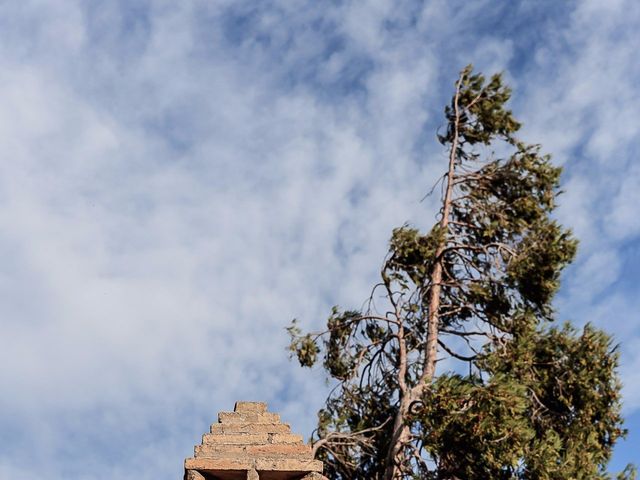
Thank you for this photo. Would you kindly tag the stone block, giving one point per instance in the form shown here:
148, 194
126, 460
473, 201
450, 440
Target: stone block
298, 451
193, 475
228, 428
314, 476
248, 417
285, 438
236, 438
250, 407
288, 465
251, 443
211, 465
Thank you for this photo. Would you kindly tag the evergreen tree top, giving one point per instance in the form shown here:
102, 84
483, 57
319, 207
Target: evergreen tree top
453, 369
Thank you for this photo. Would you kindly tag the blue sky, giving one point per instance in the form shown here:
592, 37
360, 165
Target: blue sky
180, 179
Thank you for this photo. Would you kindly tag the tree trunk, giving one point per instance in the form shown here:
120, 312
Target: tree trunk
395, 454
398, 438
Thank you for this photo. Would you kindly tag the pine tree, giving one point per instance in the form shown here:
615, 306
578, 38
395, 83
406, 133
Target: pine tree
517, 398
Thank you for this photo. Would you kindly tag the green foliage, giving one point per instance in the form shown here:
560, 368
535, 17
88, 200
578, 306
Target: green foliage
475, 429
485, 117
548, 410
518, 398
573, 395
409, 249
302, 346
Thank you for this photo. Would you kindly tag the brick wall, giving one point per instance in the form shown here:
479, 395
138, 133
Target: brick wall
251, 443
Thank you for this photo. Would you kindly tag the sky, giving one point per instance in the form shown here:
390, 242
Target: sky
178, 180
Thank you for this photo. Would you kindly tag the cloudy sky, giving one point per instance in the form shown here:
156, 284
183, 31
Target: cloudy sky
180, 179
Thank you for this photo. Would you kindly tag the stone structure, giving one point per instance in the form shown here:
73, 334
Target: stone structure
251, 444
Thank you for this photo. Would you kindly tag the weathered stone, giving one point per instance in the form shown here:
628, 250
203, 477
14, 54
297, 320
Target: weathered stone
285, 438
283, 465
193, 475
251, 443
219, 428
314, 476
283, 450
210, 464
237, 438
288, 465
248, 417
250, 407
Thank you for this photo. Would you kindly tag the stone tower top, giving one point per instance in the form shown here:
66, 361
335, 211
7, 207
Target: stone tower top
252, 444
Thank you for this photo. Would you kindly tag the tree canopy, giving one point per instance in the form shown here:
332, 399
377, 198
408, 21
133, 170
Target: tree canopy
454, 369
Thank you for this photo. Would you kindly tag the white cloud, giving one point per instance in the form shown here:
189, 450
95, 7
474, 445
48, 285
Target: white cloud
594, 274
579, 103
623, 220
630, 371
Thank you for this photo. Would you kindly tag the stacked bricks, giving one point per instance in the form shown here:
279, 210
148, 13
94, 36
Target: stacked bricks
251, 444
